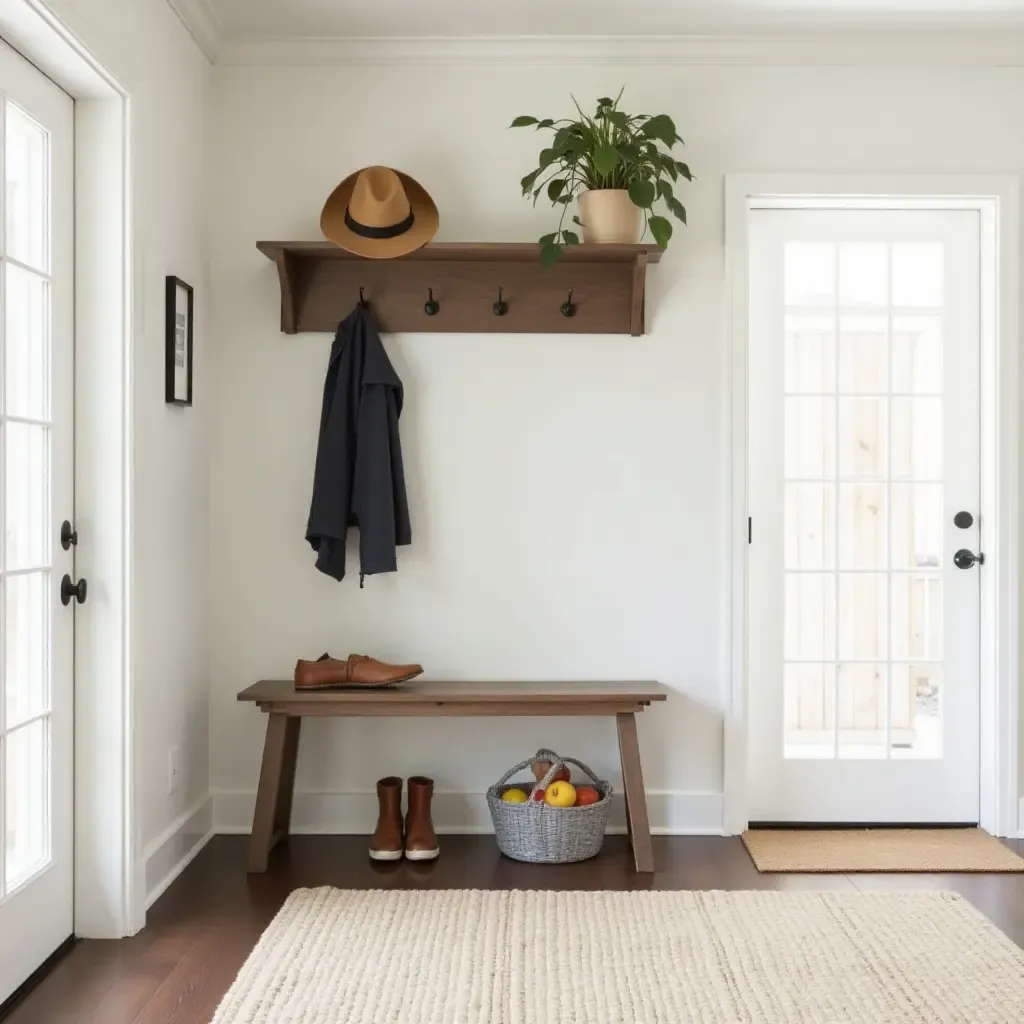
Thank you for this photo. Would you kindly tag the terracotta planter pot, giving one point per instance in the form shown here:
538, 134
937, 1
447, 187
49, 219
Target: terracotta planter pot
608, 215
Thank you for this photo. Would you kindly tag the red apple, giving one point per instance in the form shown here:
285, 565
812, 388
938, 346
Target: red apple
586, 795
537, 794
541, 768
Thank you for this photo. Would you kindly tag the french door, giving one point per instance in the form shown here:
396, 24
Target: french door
864, 492
36, 494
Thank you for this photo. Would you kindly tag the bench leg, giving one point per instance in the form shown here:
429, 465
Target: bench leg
272, 817
636, 796
283, 810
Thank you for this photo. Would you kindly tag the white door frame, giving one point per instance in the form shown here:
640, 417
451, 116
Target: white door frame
995, 198
109, 881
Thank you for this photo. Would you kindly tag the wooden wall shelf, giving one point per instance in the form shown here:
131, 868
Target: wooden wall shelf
320, 284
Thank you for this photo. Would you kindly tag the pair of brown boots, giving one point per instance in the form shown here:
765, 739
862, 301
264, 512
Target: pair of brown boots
417, 840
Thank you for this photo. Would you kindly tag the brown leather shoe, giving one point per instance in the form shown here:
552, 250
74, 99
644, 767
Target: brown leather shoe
420, 838
328, 673
386, 843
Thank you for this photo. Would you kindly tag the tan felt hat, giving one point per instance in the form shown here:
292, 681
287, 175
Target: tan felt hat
379, 213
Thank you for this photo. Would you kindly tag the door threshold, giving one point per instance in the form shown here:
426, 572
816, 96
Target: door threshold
829, 826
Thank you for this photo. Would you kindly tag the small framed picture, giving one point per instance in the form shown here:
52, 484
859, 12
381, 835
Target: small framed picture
179, 342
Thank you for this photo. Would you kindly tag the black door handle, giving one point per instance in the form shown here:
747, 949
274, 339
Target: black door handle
69, 590
68, 535
965, 559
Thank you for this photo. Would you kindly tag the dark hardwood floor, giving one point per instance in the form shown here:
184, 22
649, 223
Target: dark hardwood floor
201, 930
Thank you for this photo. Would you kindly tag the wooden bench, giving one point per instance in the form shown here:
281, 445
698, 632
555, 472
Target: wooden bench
286, 708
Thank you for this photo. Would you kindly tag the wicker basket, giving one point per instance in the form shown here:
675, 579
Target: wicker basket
540, 834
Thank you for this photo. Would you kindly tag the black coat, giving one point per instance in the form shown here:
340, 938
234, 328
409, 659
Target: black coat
359, 479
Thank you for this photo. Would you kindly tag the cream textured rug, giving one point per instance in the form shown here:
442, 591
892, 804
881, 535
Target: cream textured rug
841, 851
469, 957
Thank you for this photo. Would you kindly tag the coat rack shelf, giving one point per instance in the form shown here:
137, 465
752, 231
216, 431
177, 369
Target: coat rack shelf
493, 287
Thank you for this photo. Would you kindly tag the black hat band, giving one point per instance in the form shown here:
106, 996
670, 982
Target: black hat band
365, 231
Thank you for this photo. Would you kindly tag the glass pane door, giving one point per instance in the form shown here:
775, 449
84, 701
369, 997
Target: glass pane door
864, 446
36, 494
26, 549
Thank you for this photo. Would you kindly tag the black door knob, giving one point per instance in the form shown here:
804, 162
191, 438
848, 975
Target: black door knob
69, 590
68, 535
963, 520
965, 559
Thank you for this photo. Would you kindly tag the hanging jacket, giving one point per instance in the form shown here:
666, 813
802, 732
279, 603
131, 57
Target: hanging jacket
359, 479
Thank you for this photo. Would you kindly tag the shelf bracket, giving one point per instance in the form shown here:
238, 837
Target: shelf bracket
636, 318
286, 271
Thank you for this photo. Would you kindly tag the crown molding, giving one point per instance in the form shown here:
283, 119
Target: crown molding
820, 49
203, 24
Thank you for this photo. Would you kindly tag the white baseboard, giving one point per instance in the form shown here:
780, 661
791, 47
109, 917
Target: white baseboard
328, 812
176, 847
1020, 818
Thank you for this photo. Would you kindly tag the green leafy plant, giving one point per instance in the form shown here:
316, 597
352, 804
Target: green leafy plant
612, 149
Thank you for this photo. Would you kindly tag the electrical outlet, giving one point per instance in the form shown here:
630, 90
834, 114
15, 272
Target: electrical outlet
173, 770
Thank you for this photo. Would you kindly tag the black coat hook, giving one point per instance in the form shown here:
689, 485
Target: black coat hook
430, 307
363, 304
501, 306
567, 307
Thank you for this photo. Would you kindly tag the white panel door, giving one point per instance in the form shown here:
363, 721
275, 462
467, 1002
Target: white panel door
864, 486
36, 481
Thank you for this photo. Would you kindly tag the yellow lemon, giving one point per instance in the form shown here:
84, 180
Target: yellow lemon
560, 794
514, 796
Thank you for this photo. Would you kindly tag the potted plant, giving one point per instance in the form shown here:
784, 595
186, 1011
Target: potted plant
619, 165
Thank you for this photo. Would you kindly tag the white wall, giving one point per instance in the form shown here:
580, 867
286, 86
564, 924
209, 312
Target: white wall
568, 494
144, 44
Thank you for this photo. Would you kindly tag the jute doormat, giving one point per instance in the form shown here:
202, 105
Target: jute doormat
471, 957
840, 851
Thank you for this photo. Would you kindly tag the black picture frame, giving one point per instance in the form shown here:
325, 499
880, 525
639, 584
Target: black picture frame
178, 379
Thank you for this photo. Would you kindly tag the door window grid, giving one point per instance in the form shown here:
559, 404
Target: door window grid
26, 591
847, 679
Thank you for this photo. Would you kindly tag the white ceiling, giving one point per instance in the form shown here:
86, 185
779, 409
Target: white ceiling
290, 19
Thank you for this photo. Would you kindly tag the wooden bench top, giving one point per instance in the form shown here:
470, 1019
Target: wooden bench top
426, 697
